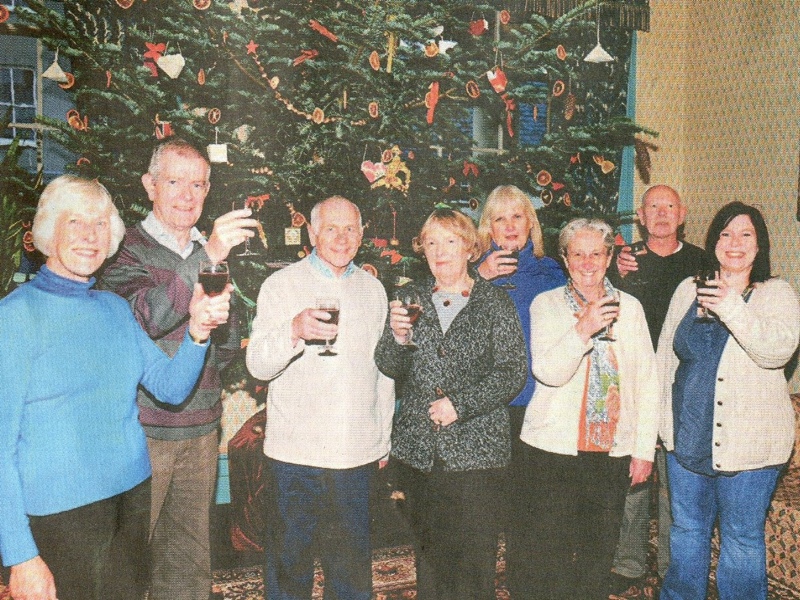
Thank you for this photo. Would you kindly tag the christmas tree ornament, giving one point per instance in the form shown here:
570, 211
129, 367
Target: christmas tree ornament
478, 27
217, 153
561, 52
374, 60
431, 49
69, 82
394, 241
242, 133
237, 6
391, 50
163, 128
546, 196
607, 166
445, 45
171, 64
201, 4
304, 56
373, 109
108, 78
497, 79
214, 115
470, 168
431, 100
558, 88
473, 91
124, 4
154, 50
251, 47
75, 121
395, 167
373, 171
569, 106
201, 77
322, 30
55, 72
598, 53
543, 178
5, 14
318, 116
566, 199
505, 17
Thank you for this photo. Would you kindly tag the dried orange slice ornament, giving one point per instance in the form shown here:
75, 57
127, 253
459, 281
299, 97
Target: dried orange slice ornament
125, 4
318, 116
505, 17
431, 49
561, 52
5, 14
373, 109
298, 220
558, 88
543, 178
201, 4
473, 91
68, 83
566, 199
374, 61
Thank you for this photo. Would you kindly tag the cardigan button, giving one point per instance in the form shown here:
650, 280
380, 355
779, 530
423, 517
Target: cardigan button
719, 402
719, 424
720, 379
441, 352
717, 444
719, 466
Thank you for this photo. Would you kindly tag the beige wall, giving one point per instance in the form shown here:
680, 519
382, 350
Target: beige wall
720, 81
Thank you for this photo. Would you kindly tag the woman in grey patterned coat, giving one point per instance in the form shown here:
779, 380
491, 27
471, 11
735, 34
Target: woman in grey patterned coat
451, 437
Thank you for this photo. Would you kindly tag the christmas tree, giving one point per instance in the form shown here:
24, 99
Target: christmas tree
379, 101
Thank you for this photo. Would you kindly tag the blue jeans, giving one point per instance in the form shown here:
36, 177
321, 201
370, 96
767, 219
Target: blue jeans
320, 513
740, 502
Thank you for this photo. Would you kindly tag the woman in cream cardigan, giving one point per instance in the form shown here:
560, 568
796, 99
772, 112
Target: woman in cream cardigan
590, 429
727, 421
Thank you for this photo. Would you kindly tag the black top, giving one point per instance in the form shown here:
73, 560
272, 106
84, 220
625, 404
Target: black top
656, 280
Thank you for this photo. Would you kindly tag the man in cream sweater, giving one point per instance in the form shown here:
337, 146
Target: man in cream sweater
328, 416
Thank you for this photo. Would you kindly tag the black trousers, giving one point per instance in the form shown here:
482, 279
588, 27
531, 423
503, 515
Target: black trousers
98, 551
455, 517
572, 509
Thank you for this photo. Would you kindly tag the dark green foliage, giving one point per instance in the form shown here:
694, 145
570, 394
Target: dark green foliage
274, 146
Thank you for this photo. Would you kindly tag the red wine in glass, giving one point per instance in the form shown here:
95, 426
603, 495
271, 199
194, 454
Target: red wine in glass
608, 334
512, 253
411, 302
701, 279
331, 306
414, 310
213, 277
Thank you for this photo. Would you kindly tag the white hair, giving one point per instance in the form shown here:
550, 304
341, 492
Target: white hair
63, 194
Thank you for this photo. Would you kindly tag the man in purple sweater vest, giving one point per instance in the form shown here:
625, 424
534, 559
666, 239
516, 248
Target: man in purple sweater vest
155, 270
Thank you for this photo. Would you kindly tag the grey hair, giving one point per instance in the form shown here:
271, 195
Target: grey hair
576, 225
178, 146
314, 217
61, 195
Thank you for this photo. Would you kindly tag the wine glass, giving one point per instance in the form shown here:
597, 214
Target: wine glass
514, 253
411, 302
247, 250
701, 279
331, 306
636, 280
607, 334
213, 276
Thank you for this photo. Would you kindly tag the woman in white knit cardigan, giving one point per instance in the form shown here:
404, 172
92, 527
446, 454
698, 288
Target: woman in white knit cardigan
727, 420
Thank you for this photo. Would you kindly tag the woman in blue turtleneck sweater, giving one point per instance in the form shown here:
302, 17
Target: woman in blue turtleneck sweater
509, 223
74, 467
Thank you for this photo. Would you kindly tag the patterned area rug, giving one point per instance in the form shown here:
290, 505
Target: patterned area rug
393, 576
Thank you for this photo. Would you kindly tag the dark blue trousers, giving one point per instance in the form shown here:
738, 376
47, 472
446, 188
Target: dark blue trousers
321, 513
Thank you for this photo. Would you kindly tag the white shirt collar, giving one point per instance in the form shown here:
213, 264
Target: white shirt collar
155, 228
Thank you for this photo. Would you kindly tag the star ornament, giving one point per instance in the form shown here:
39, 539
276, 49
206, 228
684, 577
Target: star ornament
251, 47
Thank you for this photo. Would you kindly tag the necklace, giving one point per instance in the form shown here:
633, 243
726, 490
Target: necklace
464, 293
